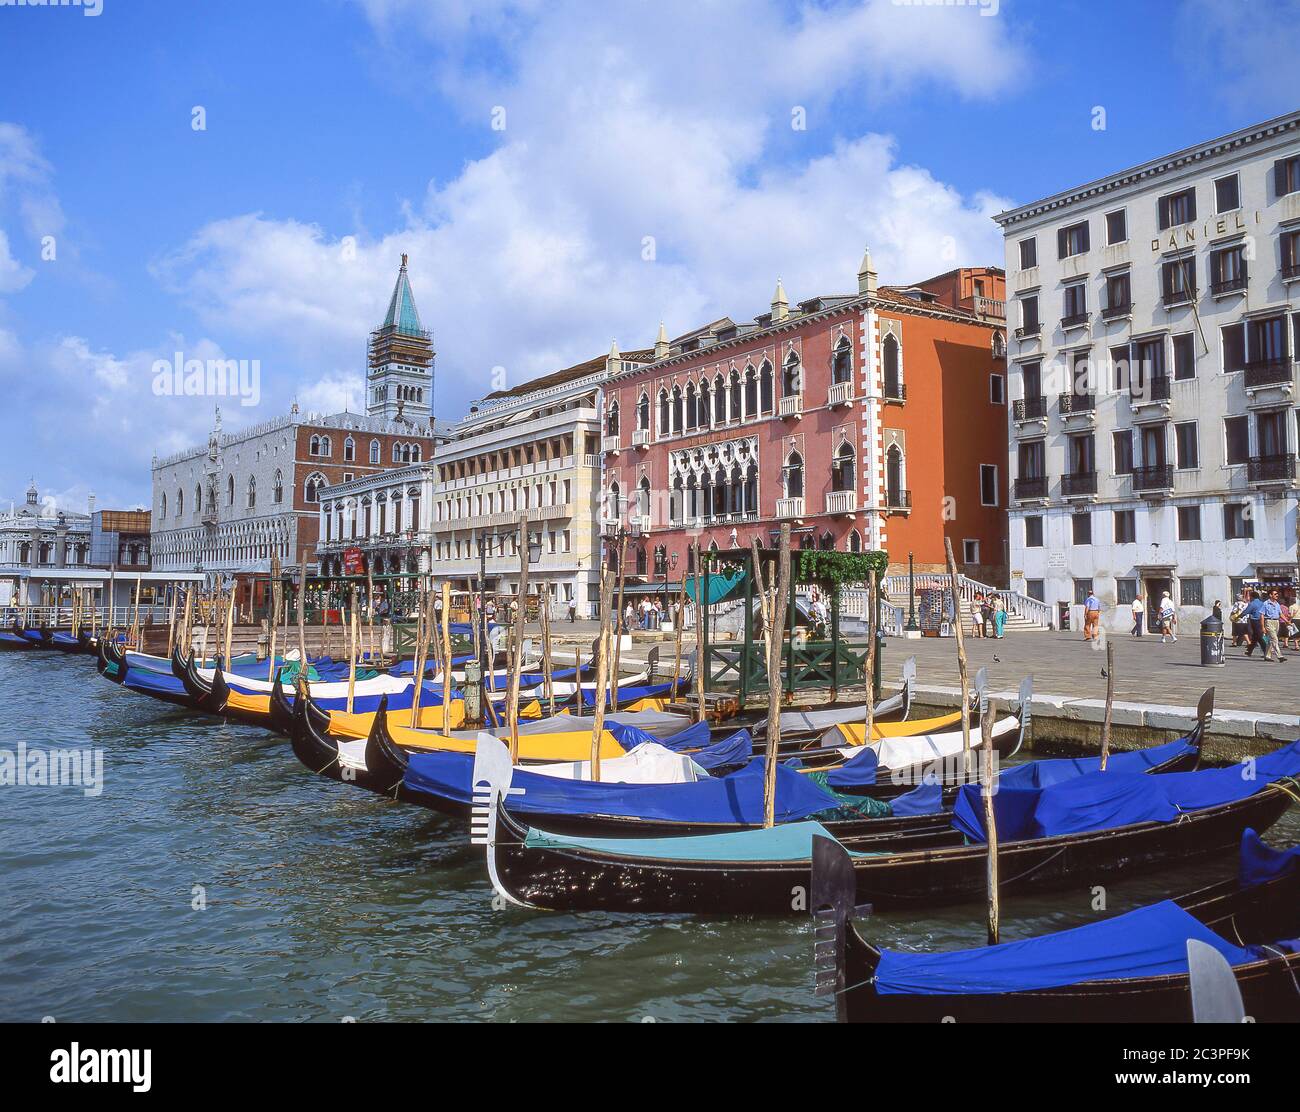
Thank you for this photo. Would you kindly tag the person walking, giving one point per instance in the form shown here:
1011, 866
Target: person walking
1168, 620
1254, 622
1091, 617
573, 611
999, 616
977, 614
1237, 615
1272, 615
1139, 617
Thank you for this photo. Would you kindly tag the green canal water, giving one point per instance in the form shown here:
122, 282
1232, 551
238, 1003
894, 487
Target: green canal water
323, 902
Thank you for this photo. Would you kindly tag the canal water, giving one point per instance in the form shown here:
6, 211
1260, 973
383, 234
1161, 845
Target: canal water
217, 879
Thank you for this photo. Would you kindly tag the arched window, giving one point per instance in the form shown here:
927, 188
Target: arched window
719, 492
611, 419
643, 497
665, 413
765, 385
735, 491
826, 542
691, 417
751, 393
252, 491
163, 507
277, 490
719, 400
842, 362
643, 412
842, 468
415, 453
677, 410
180, 502
894, 476
198, 498
733, 402
791, 378
312, 488
751, 489
855, 541
349, 450
892, 368
704, 405
692, 497
794, 475
615, 501
230, 490
374, 451
676, 502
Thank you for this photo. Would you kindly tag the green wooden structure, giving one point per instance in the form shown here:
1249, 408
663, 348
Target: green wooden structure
822, 661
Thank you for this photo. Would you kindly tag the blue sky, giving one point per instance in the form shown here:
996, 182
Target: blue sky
373, 119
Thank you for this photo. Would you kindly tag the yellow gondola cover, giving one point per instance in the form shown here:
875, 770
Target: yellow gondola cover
343, 724
854, 733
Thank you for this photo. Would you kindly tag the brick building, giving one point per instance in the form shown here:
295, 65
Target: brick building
868, 420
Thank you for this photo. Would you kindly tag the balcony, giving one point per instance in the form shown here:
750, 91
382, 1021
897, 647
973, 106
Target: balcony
1030, 409
1290, 271
1118, 311
895, 392
1268, 372
1158, 478
1154, 390
789, 508
1026, 489
1074, 320
1170, 298
898, 501
1228, 285
791, 406
640, 438
591, 459
841, 502
990, 307
840, 393
1029, 330
610, 443
1074, 405
1271, 469
1078, 484
639, 525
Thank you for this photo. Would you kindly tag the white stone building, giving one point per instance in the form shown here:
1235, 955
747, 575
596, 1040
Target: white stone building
1155, 327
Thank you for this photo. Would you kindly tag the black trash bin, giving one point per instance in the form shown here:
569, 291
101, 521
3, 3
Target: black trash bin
1212, 642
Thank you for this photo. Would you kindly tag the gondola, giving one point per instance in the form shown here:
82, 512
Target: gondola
1130, 969
1083, 829
11, 641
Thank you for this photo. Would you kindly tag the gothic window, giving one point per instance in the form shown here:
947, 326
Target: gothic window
736, 491
675, 502
164, 505
611, 420
349, 450
765, 385
691, 419
842, 469
734, 391
794, 475
198, 498
719, 401
719, 492
643, 412
640, 560
751, 393
643, 498
826, 542
664, 413
751, 489
791, 378
692, 497
855, 541
677, 410
312, 489
374, 451
894, 476
180, 502
615, 505
842, 363
252, 491
892, 369
277, 490
704, 406
230, 490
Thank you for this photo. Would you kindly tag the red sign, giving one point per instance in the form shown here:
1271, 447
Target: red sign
354, 563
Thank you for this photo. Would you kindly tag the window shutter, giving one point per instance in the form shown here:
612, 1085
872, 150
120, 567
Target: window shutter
1279, 177
1191, 205
1060, 243
1164, 213
1087, 246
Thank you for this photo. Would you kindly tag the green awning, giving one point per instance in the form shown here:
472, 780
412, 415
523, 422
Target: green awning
719, 587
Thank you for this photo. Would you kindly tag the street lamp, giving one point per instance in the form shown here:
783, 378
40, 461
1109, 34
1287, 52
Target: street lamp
911, 595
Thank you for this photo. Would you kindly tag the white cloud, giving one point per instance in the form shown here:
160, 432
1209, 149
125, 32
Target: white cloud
13, 275
670, 122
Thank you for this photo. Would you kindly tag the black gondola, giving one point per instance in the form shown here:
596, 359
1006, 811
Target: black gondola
1259, 914
706, 875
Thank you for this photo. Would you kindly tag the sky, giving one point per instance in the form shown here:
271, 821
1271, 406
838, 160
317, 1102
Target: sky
191, 180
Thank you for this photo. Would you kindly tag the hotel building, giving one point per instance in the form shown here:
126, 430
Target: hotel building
1155, 326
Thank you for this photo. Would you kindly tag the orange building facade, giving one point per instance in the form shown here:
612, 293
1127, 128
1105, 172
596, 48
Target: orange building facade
867, 421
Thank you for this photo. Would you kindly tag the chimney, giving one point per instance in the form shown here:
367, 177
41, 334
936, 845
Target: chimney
661, 343
866, 275
780, 304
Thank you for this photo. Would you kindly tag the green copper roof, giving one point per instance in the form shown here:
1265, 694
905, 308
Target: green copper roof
401, 309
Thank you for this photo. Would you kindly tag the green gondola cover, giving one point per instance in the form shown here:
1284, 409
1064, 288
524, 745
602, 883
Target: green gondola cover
719, 586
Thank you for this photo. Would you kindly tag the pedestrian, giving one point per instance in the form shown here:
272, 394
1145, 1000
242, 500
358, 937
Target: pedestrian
1139, 616
1091, 617
1290, 621
1272, 614
1168, 620
999, 615
1254, 622
977, 614
986, 615
573, 611
1237, 616
629, 616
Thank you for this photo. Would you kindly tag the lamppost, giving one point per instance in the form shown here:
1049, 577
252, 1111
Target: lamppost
533, 544
911, 626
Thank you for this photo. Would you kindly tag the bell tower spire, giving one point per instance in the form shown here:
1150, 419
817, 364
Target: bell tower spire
400, 356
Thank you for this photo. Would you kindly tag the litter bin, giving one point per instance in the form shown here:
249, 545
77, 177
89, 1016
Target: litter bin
1212, 642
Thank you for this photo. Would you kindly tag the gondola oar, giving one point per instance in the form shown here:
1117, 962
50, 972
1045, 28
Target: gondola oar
602, 670
277, 601
446, 659
987, 715
699, 635
963, 670
1110, 702
1216, 995
352, 648
517, 657
869, 684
